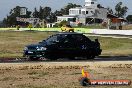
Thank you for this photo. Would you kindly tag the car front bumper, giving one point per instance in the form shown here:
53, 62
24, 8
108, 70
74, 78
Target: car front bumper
33, 53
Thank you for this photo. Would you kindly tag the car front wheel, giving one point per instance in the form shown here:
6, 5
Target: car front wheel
31, 58
72, 58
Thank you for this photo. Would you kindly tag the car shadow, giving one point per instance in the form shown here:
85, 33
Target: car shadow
113, 58
100, 58
79, 59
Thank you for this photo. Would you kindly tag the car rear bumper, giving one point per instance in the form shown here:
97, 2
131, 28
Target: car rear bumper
98, 52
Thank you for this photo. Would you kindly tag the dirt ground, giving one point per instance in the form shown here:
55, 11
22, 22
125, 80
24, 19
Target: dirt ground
61, 74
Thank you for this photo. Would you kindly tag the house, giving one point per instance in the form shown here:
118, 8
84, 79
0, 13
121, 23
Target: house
115, 22
89, 14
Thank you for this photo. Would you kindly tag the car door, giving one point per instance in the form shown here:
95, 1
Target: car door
81, 44
67, 46
53, 45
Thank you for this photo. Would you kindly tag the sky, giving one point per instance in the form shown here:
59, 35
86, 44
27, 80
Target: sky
7, 5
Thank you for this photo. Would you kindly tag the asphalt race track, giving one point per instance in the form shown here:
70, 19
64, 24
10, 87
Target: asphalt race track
97, 59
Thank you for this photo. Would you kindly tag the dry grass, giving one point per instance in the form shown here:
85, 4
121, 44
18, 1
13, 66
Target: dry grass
115, 46
12, 43
127, 27
59, 74
66, 75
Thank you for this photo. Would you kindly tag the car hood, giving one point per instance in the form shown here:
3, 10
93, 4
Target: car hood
36, 45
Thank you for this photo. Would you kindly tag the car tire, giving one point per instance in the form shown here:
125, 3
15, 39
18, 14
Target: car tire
72, 58
91, 57
52, 58
31, 58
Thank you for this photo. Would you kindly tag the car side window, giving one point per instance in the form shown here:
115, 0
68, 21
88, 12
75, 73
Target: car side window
61, 38
70, 39
67, 41
81, 40
64, 38
77, 38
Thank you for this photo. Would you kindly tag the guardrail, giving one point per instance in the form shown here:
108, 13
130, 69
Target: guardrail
109, 31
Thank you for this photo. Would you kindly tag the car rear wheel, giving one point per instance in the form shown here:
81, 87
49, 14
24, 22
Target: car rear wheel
72, 58
52, 58
91, 57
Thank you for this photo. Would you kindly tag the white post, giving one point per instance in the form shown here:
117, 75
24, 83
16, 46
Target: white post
108, 23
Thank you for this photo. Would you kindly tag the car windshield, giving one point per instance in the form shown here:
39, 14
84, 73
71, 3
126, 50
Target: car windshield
42, 42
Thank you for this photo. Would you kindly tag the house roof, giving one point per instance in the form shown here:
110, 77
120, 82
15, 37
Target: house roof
111, 16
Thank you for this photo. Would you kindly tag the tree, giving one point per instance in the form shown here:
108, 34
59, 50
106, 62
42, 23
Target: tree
28, 15
100, 6
10, 20
129, 18
110, 10
52, 18
58, 13
62, 23
120, 10
35, 13
41, 13
4, 22
46, 13
55, 14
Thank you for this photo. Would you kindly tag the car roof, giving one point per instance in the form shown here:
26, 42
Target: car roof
69, 33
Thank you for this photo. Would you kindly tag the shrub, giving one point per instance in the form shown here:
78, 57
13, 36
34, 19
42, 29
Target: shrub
62, 23
80, 24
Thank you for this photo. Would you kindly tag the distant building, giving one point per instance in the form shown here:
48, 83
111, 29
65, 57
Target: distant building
90, 13
115, 22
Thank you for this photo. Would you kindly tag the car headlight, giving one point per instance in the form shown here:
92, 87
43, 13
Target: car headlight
41, 48
25, 48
